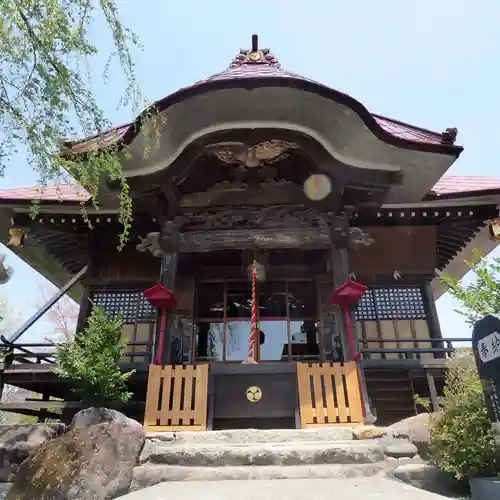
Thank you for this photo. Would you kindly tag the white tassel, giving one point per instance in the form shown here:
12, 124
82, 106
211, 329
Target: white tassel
396, 275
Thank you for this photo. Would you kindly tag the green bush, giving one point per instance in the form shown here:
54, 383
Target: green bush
91, 360
461, 439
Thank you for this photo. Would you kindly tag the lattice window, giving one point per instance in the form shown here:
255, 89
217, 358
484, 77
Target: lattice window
391, 303
132, 306
366, 307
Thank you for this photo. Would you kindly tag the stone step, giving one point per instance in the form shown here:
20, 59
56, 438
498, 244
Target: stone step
248, 436
371, 488
149, 475
292, 453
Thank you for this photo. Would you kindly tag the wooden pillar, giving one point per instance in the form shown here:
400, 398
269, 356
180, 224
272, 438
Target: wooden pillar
85, 304
432, 318
167, 279
84, 311
340, 234
340, 269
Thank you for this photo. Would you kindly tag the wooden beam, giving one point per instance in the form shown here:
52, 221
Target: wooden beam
286, 194
205, 241
172, 195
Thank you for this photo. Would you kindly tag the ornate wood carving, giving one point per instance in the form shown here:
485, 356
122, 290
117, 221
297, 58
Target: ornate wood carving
150, 243
253, 228
345, 236
251, 156
247, 187
284, 217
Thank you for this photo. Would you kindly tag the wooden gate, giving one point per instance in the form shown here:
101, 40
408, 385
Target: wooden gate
329, 395
176, 398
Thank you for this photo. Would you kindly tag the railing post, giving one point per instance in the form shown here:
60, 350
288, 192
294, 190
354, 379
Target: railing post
432, 390
449, 345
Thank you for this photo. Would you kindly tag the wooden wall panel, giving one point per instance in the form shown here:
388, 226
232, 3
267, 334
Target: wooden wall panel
410, 250
184, 292
110, 265
139, 332
387, 334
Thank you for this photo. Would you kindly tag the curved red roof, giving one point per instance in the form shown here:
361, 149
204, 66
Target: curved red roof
448, 185
259, 65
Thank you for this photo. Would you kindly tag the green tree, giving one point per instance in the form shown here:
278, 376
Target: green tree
46, 51
462, 441
482, 296
91, 360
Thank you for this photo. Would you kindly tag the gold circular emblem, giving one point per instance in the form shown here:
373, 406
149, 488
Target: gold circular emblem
254, 394
254, 56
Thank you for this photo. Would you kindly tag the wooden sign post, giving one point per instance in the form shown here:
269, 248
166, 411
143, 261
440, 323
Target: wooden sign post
486, 348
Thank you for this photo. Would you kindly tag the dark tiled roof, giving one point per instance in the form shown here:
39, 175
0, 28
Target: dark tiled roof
450, 185
408, 132
61, 192
262, 65
446, 186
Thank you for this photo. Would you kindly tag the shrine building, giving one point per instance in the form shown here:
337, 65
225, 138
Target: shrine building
290, 244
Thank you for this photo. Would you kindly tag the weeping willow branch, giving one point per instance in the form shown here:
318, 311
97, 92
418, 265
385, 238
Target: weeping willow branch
46, 96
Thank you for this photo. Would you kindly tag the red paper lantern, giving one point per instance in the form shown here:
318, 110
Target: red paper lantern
163, 299
345, 296
160, 297
348, 294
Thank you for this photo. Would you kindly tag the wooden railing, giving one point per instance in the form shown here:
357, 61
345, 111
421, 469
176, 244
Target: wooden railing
436, 348
329, 394
177, 398
45, 353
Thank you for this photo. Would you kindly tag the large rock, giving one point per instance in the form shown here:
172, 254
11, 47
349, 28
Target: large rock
95, 463
416, 429
18, 441
98, 415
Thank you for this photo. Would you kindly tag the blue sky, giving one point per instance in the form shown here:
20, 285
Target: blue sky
430, 63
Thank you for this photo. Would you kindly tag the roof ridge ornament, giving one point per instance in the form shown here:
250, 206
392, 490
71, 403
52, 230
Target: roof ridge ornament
255, 56
449, 136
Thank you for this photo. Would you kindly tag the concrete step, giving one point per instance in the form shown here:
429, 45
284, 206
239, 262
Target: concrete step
149, 475
249, 436
291, 453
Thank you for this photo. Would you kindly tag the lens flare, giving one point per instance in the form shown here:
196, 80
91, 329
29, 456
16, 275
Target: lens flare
317, 187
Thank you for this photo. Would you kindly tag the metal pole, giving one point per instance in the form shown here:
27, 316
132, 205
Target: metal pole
31, 321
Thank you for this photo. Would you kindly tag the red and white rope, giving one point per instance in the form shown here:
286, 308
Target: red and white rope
254, 326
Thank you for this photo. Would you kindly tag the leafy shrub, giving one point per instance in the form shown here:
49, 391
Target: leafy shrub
90, 360
462, 442
481, 296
